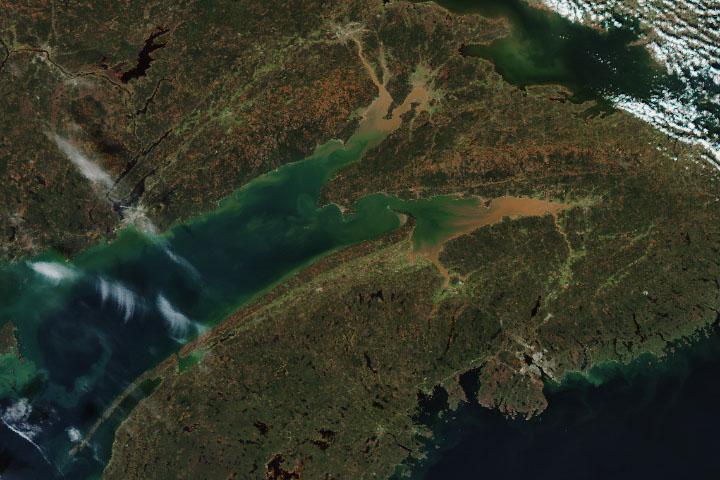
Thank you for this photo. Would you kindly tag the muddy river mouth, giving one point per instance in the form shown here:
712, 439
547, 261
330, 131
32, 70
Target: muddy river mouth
87, 328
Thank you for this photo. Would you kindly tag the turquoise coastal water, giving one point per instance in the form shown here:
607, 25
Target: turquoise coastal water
88, 327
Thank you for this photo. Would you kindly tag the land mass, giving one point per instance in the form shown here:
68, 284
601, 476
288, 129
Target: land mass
336, 373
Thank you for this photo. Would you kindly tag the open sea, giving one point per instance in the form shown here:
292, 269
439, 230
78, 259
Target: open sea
651, 418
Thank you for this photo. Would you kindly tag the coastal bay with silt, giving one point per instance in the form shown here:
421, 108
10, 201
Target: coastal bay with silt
88, 327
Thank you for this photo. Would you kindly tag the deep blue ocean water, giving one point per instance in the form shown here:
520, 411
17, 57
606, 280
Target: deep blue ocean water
87, 328
649, 419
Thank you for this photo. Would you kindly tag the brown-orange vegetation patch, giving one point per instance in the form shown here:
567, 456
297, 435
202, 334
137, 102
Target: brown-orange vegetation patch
8, 341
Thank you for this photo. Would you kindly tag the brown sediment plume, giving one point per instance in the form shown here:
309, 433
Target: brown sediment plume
373, 124
466, 218
374, 121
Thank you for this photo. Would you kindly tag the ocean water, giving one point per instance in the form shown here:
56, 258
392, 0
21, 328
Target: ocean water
660, 61
87, 328
648, 419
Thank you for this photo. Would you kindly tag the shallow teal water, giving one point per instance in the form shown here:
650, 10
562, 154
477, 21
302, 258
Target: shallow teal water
88, 327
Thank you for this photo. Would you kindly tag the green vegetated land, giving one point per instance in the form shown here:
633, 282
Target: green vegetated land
329, 374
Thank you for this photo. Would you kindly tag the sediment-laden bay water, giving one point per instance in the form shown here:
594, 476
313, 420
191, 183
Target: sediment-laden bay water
660, 61
87, 328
